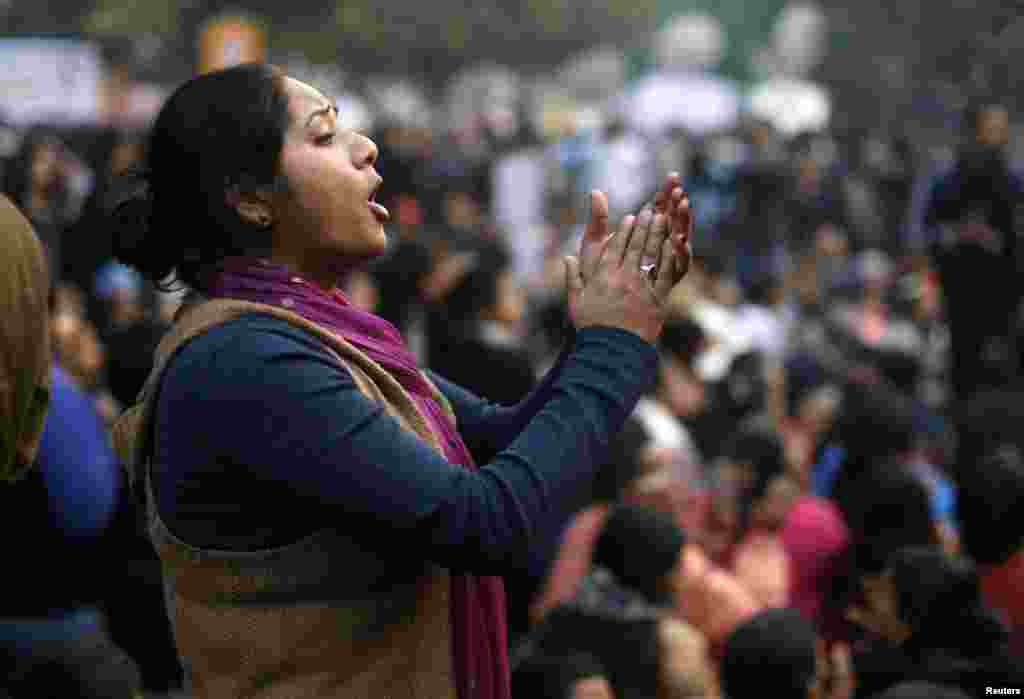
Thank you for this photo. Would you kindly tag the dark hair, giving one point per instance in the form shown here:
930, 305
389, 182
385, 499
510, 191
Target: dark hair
218, 131
628, 648
892, 510
990, 506
640, 546
758, 444
682, 338
541, 675
776, 650
478, 287
939, 597
624, 463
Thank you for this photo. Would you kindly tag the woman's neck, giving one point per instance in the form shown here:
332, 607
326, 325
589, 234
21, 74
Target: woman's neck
322, 276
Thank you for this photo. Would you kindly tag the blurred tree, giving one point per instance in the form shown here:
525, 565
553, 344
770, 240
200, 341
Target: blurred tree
117, 17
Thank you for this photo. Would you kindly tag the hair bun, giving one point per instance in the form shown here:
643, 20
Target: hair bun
130, 213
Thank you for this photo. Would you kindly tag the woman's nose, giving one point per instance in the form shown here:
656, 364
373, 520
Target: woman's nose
366, 152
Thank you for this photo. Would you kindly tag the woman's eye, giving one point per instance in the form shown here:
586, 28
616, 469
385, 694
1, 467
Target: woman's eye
325, 139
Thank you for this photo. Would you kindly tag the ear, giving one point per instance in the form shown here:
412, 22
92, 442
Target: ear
253, 207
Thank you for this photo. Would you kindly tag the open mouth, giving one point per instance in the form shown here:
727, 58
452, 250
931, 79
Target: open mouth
379, 211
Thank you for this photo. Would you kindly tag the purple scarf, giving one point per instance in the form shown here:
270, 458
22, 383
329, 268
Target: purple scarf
479, 635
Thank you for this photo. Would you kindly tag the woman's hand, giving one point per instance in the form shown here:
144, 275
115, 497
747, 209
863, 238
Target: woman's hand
667, 263
623, 279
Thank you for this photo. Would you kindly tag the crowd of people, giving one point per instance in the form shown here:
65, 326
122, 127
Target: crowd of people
820, 496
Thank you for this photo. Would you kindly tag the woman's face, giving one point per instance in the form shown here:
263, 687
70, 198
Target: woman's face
327, 218
45, 166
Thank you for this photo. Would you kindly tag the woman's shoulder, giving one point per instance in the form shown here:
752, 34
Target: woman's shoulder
241, 347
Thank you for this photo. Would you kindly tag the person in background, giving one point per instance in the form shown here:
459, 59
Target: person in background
59, 481
645, 654
131, 332
573, 676
750, 493
934, 627
37, 181
479, 342
972, 213
989, 511
678, 396
642, 547
774, 653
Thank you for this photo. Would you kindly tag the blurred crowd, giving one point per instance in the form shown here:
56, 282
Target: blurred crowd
821, 496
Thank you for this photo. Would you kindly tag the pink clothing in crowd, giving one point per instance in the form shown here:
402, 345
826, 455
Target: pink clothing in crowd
1003, 590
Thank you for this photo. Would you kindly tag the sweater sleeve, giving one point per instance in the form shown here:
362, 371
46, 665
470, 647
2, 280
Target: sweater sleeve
268, 407
489, 427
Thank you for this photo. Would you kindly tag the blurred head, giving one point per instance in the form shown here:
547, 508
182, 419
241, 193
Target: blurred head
247, 161
678, 388
487, 290
990, 507
629, 649
625, 462
24, 342
892, 511
988, 123
641, 546
36, 168
568, 676
775, 649
935, 598
751, 468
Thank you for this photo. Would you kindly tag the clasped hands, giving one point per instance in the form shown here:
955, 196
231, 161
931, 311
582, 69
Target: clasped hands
624, 277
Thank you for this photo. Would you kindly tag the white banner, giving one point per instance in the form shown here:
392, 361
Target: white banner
52, 81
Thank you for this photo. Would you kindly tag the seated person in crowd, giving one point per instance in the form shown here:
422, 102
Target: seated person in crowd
933, 626
572, 676
773, 654
700, 593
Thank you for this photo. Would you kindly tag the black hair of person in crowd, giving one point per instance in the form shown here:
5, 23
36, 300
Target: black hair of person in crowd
990, 507
934, 627
771, 654
892, 511
628, 648
472, 337
921, 690
876, 425
753, 458
641, 547
557, 676
624, 464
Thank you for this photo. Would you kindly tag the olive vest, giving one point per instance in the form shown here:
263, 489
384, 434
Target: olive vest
323, 617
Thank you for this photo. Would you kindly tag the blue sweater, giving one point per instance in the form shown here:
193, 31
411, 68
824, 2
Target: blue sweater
262, 438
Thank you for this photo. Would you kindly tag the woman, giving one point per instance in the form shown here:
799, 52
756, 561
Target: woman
273, 394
